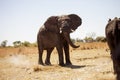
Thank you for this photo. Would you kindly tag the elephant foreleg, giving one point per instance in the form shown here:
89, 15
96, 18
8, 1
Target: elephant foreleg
60, 54
49, 51
67, 55
116, 67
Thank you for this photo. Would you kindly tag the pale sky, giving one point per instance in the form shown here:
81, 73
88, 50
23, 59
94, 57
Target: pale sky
21, 19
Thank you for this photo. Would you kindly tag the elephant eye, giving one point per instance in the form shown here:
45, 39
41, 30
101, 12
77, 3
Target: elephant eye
68, 20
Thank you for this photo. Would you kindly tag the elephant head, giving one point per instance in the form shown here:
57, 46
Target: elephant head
64, 24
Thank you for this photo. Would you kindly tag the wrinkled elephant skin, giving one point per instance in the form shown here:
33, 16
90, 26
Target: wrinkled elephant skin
56, 33
113, 39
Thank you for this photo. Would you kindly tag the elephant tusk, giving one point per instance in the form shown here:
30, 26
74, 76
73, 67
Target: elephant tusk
72, 30
60, 30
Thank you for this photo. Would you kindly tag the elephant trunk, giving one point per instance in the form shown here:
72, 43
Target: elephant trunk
67, 37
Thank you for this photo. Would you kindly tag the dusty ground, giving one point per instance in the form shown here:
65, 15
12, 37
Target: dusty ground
90, 62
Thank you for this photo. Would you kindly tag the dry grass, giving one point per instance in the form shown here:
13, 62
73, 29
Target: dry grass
19, 50
90, 62
94, 45
34, 50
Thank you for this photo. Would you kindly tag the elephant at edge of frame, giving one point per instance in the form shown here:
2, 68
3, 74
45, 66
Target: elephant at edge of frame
56, 33
113, 39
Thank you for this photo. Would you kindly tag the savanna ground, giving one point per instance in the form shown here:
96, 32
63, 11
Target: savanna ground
90, 62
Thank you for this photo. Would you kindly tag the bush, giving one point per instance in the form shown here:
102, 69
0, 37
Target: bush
17, 43
4, 43
100, 39
26, 44
89, 39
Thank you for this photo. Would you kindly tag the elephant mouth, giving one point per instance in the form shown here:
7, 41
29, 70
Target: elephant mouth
67, 37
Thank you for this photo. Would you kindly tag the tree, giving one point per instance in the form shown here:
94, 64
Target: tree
89, 39
79, 40
17, 43
26, 44
91, 35
4, 43
100, 39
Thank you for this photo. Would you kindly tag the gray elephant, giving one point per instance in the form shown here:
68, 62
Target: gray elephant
113, 39
56, 33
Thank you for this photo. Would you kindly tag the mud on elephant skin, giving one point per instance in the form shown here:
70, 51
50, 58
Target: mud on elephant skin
113, 39
55, 32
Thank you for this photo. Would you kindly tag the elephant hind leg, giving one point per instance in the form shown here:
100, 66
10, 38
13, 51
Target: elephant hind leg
40, 61
49, 51
116, 67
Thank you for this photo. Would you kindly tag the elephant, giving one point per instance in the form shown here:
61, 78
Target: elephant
112, 32
55, 32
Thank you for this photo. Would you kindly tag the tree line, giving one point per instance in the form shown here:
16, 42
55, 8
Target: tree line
90, 39
28, 44
19, 44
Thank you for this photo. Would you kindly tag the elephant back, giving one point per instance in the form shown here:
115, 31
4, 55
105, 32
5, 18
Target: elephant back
51, 24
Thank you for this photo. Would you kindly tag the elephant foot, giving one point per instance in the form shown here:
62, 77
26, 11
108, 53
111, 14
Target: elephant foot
61, 64
47, 63
69, 63
41, 63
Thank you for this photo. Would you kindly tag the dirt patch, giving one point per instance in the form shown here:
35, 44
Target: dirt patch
92, 64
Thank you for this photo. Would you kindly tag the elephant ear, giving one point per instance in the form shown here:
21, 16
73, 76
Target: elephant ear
76, 21
52, 24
